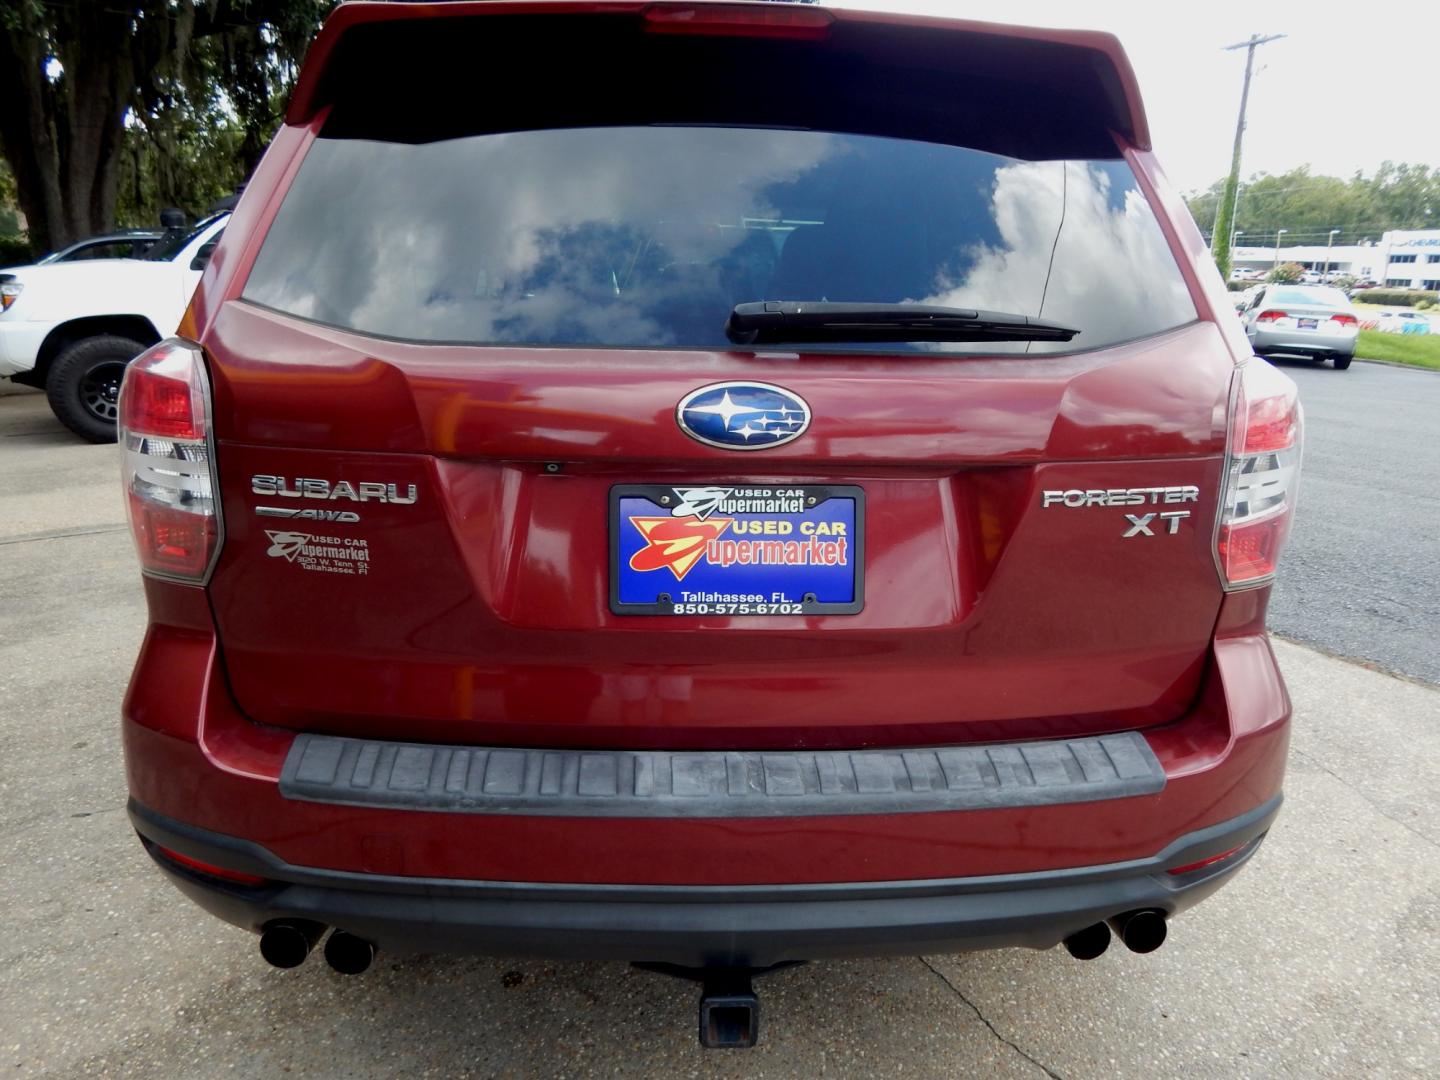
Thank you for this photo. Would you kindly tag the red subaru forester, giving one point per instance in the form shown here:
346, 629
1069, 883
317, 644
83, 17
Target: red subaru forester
709, 485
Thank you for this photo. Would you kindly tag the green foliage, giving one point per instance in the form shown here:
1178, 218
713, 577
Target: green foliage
186, 153
1239, 286
114, 109
1307, 207
1286, 273
1424, 304
203, 125
1224, 226
9, 215
15, 251
1396, 297
1344, 281
1421, 350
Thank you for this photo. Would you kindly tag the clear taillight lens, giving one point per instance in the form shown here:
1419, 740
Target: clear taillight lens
168, 462
1262, 475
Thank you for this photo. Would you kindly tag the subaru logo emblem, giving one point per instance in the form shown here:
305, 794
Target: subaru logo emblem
742, 415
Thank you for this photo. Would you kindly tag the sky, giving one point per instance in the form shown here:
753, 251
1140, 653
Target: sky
1341, 92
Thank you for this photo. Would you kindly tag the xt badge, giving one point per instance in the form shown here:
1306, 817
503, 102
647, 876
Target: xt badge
1140, 523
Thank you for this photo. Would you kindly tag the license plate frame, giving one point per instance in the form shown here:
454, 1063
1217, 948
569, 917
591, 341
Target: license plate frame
1307, 324
661, 590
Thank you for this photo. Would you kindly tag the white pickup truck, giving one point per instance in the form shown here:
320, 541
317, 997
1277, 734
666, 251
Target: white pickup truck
70, 328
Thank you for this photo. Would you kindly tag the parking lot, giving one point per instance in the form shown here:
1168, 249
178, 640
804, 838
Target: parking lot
1321, 960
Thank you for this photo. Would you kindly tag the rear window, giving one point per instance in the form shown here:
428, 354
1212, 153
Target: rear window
1325, 297
648, 236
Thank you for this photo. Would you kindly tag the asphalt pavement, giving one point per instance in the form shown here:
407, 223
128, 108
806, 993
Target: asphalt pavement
1361, 577
1322, 959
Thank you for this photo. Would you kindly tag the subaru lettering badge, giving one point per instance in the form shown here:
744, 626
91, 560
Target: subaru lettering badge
742, 415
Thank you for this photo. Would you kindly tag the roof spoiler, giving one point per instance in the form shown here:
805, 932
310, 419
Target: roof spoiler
1080, 72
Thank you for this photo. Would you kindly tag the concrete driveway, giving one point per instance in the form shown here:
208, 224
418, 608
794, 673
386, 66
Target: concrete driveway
1321, 960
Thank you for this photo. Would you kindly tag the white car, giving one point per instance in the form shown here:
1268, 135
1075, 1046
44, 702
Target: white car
70, 328
1245, 273
1404, 322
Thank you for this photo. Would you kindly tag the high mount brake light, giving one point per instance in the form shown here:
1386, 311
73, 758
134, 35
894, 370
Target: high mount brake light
1262, 475
167, 450
724, 20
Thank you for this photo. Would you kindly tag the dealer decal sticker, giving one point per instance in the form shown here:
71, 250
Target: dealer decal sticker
324, 554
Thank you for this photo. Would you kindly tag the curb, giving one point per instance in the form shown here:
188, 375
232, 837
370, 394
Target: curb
1398, 364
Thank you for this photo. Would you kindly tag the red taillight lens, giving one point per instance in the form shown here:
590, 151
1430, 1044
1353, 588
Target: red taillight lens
724, 20
1262, 475
1272, 316
167, 457
171, 543
1345, 320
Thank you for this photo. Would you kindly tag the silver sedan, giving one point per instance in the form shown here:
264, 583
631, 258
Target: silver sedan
1302, 320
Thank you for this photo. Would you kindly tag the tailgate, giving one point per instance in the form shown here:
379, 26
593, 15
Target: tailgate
470, 598
492, 472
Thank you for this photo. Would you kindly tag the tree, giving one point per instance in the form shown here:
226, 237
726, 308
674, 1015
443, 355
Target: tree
1286, 273
1308, 206
9, 223
1224, 223
71, 74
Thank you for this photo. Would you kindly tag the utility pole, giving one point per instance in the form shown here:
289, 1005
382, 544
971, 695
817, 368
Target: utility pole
1229, 194
1328, 242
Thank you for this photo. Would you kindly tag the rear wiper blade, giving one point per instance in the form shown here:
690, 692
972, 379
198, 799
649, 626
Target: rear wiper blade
793, 321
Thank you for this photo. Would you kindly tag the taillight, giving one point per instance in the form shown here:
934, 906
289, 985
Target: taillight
1345, 320
1262, 475
167, 462
1272, 316
739, 20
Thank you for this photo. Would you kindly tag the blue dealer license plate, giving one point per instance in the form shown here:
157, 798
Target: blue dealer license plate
736, 549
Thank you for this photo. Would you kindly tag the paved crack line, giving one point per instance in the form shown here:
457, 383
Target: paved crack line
1364, 797
982, 1018
61, 534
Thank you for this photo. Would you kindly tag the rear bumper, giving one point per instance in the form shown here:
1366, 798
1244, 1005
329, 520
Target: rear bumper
441, 873
694, 926
1303, 343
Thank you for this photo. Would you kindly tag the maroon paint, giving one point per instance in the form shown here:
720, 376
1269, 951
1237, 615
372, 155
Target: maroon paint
484, 618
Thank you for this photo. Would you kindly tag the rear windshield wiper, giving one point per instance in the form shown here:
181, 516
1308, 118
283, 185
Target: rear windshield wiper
776, 321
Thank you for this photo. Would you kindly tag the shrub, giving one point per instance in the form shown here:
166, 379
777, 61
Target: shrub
1424, 303
1395, 297
1344, 281
15, 251
1286, 273
1239, 286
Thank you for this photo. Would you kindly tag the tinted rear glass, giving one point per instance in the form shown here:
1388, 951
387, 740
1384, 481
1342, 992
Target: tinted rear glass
648, 236
1323, 297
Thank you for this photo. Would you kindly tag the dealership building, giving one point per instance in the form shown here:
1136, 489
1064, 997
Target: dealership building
1402, 259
